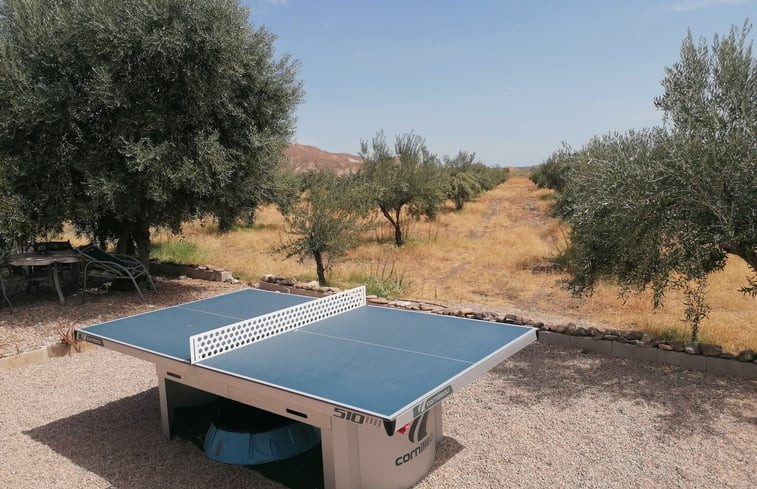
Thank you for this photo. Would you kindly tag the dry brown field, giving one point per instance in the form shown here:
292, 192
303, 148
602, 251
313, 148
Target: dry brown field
494, 254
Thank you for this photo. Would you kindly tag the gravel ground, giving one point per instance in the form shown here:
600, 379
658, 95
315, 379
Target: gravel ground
38, 316
547, 417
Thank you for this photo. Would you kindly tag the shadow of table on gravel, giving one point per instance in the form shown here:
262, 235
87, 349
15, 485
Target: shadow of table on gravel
691, 400
122, 443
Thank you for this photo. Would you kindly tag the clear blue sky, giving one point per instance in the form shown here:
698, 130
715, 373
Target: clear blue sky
509, 80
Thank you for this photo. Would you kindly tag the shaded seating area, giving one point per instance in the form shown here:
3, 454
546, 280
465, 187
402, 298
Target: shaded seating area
39, 264
58, 266
46, 263
99, 265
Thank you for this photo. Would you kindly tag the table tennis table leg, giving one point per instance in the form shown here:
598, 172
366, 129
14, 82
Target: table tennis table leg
56, 282
166, 414
341, 466
176, 394
362, 456
438, 426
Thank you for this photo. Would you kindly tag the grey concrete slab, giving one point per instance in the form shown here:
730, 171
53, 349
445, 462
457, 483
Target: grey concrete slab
713, 365
587, 343
684, 360
625, 350
557, 339
721, 366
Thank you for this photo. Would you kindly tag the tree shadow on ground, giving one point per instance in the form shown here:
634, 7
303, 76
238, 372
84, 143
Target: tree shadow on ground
685, 400
39, 311
31, 303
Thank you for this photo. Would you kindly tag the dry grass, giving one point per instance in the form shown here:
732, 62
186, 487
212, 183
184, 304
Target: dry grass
487, 254
68, 336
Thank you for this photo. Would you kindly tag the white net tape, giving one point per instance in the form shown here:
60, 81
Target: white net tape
221, 340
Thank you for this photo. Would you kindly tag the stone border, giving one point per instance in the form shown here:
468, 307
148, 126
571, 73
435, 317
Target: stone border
43, 354
650, 353
634, 345
210, 273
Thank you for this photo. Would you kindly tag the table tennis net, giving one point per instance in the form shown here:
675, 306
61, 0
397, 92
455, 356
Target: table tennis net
226, 338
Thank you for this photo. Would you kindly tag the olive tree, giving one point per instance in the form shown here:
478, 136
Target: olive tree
326, 222
554, 170
620, 212
466, 179
710, 107
664, 207
402, 181
282, 189
124, 115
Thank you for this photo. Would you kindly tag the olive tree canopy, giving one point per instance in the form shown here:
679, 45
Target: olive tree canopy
119, 115
665, 206
327, 222
404, 181
710, 106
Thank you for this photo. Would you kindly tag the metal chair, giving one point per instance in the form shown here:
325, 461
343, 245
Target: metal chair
4, 267
99, 264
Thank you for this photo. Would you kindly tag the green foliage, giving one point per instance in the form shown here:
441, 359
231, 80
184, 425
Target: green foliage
383, 279
662, 208
407, 178
490, 177
180, 251
672, 334
467, 179
710, 104
623, 214
751, 287
463, 184
282, 188
15, 229
124, 115
553, 172
387, 288
695, 307
326, 223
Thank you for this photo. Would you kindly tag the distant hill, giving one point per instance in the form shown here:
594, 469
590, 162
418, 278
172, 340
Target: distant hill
303, 158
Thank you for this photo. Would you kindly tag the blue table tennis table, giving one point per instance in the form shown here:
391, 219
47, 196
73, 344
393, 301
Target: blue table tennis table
371, 379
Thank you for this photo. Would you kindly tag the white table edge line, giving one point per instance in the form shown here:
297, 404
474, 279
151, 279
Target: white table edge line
130, 345
517, 341
213, 313
326, 400
385, 346
166, 308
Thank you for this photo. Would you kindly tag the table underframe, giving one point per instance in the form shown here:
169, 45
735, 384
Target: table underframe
339, 439
182, 384
348, 446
